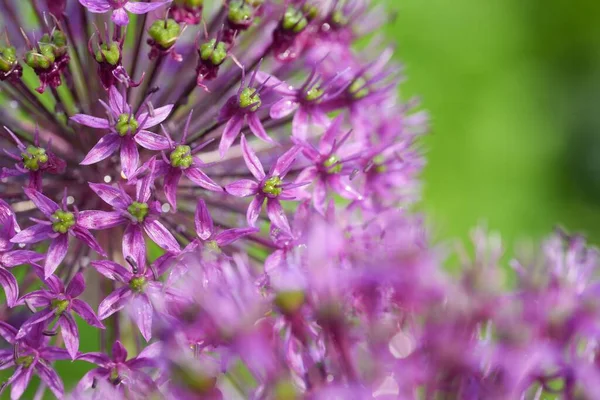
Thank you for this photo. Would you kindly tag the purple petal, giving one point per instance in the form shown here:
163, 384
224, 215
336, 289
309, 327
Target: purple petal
116, 100
257, 128
76, 286
98, 220
20, 381
38, 317
151, 141
283, 108
54, 353
203, 221
284, 163
277, 215
11, 287
254, 210
51, 379
119, 352
231, 131
56, 254
33, 234
272, 82
242, 188
85, 311
300, 124
159, 114
342, 187
141, 311
161, 236
130, 156
120, 17
96, 6
329, 137
69, 333
134, 245
170, 186
8, 332
252, 161
86, 237
6, 359
150, 352
100, 359
116, 197
87, 381
19, 257
143, 8
114, 302
231, 235
92, 122
143, 187
45, 205
319, 118
105, 147
274, 260
195, 175
37, 298
320, 196
112, 270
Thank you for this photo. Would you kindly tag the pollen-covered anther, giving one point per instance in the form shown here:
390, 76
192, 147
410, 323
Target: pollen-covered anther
272, 186
333, 165
59, 306
63, 221
138, 284
249, 98
181, 157
34, 158
139, 211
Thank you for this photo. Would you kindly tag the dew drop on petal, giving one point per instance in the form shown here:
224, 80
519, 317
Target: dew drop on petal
107, 179
70, 200
166, 207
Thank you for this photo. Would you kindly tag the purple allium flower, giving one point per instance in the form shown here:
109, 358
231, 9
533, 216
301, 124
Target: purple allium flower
126, 129
120, 7
60, 223
57, 303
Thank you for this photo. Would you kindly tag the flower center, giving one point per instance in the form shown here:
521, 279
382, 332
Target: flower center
272, 186
139, 211
59, 306
358, 88
137, 284
24, 361
290, 301
379, 164
338, 19
63, 220
126, 124
314, 93
33, 157
213, 52
181, 157
165, 33
8, 58
333, 165
250, 98
240, 13
213, 246
109, 54
294, 20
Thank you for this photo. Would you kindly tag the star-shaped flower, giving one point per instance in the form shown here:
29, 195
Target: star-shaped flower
120, 7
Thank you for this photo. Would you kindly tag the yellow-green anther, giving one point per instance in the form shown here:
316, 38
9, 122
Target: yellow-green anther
181, 157
190, 3
165, 34
59, 38
314, 93
37, 60
63, 220
137, 284
8, 58
338, 18
33, 157
139, 211
358, 88
59, 306
311, 12
290, 301
213, 52
114, 375
285, 390
294, 20
250, 98
126, 124
379, 164
333, 165
240, 12
272, 186
213, 246
24, 361
109, 54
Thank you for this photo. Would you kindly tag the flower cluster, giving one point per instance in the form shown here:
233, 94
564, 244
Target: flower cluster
224, 191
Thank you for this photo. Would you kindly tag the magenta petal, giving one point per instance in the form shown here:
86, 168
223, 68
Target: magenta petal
97, 358
300, 124
38, 317
76, 286
231, 235
252, 161
54, 353
37, 298
130, 157
254, 210
141, 311
56, 254
33, 234
284, 163
331, 134
158, 115
274, 260
10, 285
112, 195
283, 108
20, 381
105, 147
119, 352
19, 257
203, 221
114, 302
342, 186
86, 312
277, 215
45, 205
231, 131
170, 186
161, 236
98, 220
143, 8
116, 101
134, 245
151, 141
320, 196
8, 332
242, 188
319, 118
70, 334
96, 6
257, 128
86, 237
92, 122
120, 17
195, 175
51, 379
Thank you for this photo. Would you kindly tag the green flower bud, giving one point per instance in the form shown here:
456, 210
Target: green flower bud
8, 58
333, 165
181, 157
250, 98
310, 11
314, 93
137, 284
294, 20
33, 157
59, 306
213, 52
110, 54
59, 38
36, 60
339, 19
138, 210
358, 88
24, 361
272, 186
63, 220
165, 34
285, 390
290, 301
126, 124
379, 164
240, 12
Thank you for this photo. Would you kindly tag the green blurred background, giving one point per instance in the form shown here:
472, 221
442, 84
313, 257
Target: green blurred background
513, 89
